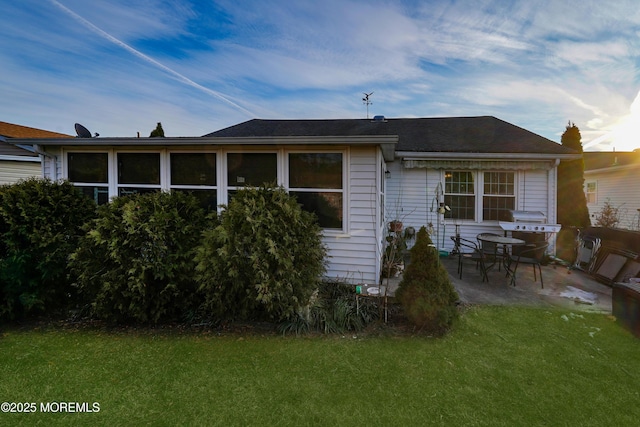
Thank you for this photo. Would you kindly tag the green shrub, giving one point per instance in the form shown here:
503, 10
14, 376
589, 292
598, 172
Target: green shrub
426, 292
263, 261
136, 262
40, 224
333, 309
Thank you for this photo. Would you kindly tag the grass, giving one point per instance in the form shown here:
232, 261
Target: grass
501, 366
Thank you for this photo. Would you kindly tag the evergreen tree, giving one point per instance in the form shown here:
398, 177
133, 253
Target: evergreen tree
426, 292
572, 202
158, 132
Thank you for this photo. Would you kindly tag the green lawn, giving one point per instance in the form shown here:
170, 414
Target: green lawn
500, 366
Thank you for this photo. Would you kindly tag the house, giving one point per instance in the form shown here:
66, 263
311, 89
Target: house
613, 177
18, 163
357, 175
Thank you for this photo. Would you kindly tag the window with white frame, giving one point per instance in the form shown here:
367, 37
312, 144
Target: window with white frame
89, 171
316, 179
460, 194
138, 173
591, 192
479, 195
499, 196
195, 173
250, 169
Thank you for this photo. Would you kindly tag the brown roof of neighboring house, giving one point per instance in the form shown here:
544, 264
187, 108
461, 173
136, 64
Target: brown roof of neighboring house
10, 130
594, 160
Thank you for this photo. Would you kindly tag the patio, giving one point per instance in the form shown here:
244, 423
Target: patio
562, 287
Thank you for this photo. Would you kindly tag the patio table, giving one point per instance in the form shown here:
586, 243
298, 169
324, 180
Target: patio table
506, 242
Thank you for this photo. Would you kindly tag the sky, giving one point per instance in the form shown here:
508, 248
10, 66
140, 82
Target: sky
120, 66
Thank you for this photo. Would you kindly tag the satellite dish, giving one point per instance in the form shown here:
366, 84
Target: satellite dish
82, 132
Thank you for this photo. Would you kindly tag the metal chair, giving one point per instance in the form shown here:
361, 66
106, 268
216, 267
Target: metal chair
467, 249
490, 251
533, 255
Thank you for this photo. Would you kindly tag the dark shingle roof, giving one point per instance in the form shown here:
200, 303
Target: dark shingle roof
483, 134
607, 159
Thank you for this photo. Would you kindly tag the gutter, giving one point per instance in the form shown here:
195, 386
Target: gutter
413, 155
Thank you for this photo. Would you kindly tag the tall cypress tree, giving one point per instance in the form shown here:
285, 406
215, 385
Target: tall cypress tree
572, 202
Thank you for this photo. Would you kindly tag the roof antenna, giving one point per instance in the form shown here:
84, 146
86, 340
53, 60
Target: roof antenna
366, 101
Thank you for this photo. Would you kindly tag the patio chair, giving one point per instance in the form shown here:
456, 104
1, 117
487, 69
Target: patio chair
467, 249
490, 251
533, 255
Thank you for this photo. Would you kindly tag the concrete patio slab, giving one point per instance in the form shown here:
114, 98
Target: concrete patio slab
566, 288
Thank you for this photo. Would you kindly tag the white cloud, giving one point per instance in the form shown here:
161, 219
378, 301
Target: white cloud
535, 63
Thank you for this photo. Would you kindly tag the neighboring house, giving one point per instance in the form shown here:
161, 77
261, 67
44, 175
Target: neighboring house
18, 163
355, 174
613, 177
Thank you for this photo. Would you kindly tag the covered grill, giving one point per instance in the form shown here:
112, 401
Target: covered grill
530, 226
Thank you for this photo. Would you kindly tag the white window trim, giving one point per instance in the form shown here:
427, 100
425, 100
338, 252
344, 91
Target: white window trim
192, 186
162, 186
595, 193
222, 187
478, 183
345, 182
482, 193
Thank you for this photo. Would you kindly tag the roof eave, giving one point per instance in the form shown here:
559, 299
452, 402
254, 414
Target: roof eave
200, 140
408, 155
611, 169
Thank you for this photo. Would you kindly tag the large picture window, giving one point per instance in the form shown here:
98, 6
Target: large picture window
460, 194
251, 169
499, 196
195, 173
138, 173
90, 173
316, 179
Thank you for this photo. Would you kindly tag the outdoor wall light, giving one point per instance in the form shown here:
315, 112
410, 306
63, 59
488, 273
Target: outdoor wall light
387, 174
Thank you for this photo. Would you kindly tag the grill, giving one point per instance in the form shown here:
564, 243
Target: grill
530, 226
529, 221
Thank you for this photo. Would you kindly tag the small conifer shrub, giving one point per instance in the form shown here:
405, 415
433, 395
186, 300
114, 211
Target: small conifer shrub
426, 292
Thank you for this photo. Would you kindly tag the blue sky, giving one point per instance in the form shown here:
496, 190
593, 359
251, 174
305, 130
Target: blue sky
120, 66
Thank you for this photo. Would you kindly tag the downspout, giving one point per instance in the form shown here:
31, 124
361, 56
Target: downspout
554, 237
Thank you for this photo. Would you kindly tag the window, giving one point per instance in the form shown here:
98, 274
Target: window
499, 196
90, 173
482, 196
591, 192
138, 173
195, 173
253, 169
316, 179
459, 194
250, 169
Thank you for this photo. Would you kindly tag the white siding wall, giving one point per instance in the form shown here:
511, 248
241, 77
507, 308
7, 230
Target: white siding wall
532, 191
54, 160
411, 197
11, 172
622, 189
354, 257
